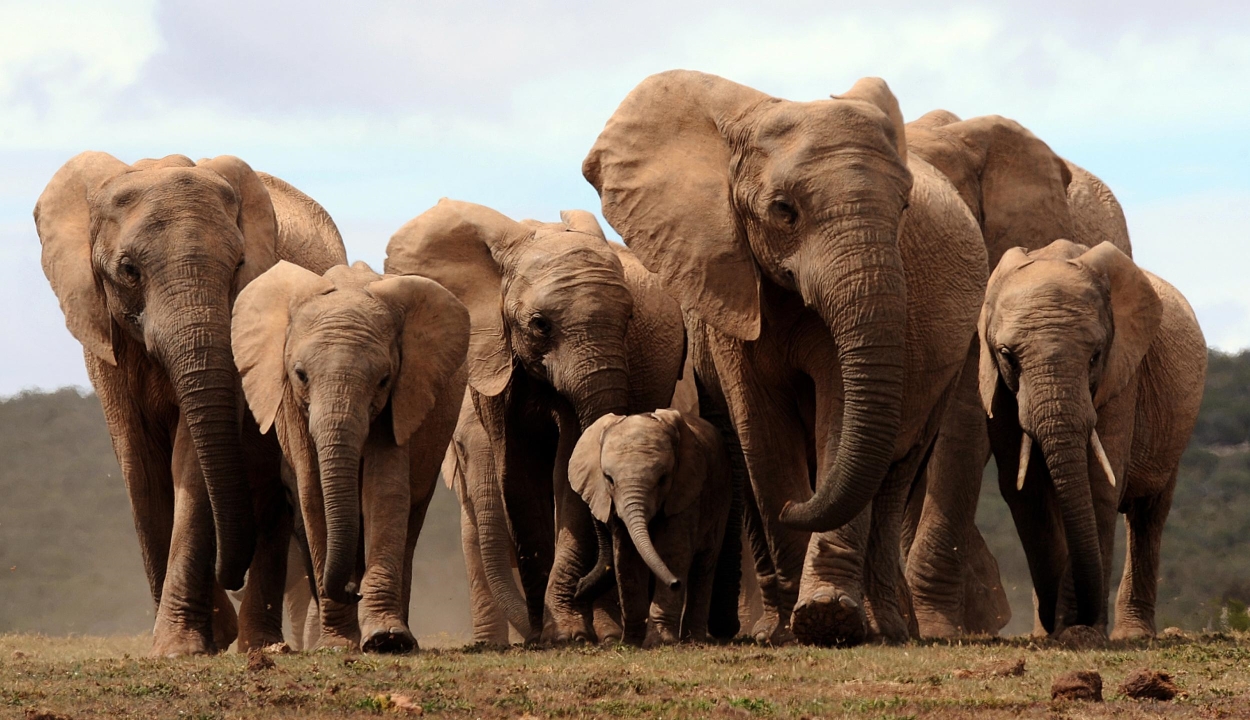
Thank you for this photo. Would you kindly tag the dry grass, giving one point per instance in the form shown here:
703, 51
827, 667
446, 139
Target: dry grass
83, 677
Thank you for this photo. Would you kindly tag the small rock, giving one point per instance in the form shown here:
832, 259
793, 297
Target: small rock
258, 661
278, 649
1077, 685
1082, 637
1148, 684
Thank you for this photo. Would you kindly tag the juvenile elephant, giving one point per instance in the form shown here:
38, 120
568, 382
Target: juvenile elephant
831, 284
362, 377
1092, 372
146, 261
1022, 194
565, 329
661, 482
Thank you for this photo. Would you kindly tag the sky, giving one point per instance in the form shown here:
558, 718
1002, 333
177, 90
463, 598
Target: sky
377, 109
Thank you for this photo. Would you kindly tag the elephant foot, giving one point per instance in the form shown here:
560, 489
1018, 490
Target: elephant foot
394, 640
334, 641
1129, 630
225, 620
830, 618
247, 641
177, 642
769, 631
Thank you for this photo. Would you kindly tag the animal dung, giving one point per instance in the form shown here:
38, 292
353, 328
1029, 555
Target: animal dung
258, 661
1146, 684
1077, 685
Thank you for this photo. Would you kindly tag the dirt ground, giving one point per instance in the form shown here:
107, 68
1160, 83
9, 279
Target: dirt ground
87, 677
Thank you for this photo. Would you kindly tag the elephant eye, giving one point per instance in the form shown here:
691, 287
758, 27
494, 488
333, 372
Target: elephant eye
785, 212
608, 477
128, 270
303, 376
386, 380
541, 325
1093, 360
239, 266
1009, 357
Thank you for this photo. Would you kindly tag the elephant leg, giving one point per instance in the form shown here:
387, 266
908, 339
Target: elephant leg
667, 606
387, 504
767, 628
296, 595
750, 599
490, 627
1036, 517
724, 621
576, 549
1135, 602
526, 480
699, 581
184, 619
888, 601
830, 610
633, 580
607, 610
260, 614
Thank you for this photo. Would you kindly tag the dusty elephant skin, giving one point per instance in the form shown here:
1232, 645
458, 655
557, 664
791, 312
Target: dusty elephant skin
830, 282
661, 482
565, 329
1092, 373
1023, 195
362, 377
146, 261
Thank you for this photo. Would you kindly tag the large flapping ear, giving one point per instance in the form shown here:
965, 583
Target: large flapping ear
586, 468
661, 166
454, 244
433, 343
582, 222
695, 441
1136, 311
256, 217
1096, 215
1023, 185
258, 330
875, 91
1012, 260
63, 221
307, 235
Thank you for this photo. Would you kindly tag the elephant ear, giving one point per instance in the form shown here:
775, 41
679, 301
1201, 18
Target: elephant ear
586, 468
661, 167
433, 343
457, 244
582, 222
256, 219
1013, 260
875, 91
258, 330
694, 442
1023, 184
63, 221
1136, 311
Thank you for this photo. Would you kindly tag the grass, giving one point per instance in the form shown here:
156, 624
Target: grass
87, 677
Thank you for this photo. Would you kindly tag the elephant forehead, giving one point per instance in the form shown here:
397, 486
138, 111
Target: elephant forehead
162, 184
1064, 297
822, 125
344, 314
639, 441
555, 266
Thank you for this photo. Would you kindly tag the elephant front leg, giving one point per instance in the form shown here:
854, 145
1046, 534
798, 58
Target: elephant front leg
830, 609
633, 580
388, 506
260, 614
490, 627
1135, 602
185, 615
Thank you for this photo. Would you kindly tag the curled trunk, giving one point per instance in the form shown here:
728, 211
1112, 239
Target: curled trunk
861, 295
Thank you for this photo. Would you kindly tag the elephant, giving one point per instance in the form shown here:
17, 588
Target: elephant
361, 376
146, 261
660, 481
1022, 194
830, 283
1091, 371
566, 328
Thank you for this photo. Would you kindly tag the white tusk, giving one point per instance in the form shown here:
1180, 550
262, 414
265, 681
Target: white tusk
1026, 449
1102, 456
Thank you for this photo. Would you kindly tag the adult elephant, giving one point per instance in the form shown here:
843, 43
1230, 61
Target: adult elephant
146, 261
1023, 195
831, 285
565, 329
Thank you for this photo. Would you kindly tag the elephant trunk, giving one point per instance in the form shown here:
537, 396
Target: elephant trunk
599, 579
193, 344
496, 545
634, 515
340, 437
1064, 441
860, 293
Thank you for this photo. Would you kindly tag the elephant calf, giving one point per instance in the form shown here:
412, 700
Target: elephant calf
661, 482
362, 376
1092, 371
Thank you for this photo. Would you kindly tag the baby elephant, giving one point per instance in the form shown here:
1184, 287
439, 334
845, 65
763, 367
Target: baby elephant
1092, 372
661, 482
362, 376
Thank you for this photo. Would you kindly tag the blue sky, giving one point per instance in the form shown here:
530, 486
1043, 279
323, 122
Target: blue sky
377, 109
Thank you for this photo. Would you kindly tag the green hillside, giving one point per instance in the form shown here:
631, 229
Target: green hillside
69, 561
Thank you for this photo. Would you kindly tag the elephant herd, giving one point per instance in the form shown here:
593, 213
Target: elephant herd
825, 323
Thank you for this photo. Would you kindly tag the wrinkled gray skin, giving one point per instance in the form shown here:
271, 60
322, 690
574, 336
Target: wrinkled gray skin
661, 482
1023, 195
146, 261
1081, 349
830, 283
565, 329
361, 375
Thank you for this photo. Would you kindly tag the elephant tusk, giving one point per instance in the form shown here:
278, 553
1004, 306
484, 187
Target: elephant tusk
1026, 449
1102, 456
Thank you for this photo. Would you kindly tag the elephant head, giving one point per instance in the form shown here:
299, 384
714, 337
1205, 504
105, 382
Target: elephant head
549, 297
323, 358
722, 190
146, 260
639, 467
1063, 330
